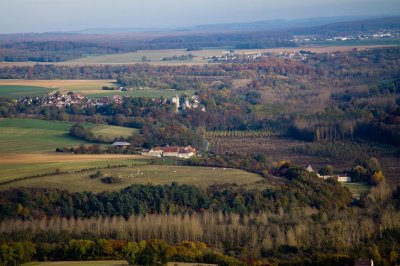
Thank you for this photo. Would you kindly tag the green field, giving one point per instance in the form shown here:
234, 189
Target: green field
357, 189
21, 91
141, 174
110, 132
30, 135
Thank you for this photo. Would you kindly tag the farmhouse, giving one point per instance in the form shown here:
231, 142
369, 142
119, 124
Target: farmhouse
171, 151
339, 178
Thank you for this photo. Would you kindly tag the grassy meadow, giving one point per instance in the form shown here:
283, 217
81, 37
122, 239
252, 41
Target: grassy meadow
34, 136
110, 132
37, 164
20, 91
141, 174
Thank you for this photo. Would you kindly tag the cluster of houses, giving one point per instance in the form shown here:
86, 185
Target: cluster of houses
63, 100
231, 56
167, 151
297, 56
339, 178
171, 151
383, 33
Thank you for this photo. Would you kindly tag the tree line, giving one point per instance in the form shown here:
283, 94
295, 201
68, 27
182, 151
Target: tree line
150, 252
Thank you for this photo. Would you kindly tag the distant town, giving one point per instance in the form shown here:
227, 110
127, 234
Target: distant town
59, 99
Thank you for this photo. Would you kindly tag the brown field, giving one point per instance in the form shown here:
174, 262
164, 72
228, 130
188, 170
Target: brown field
84, 86
53, 83
10, 158
156, 55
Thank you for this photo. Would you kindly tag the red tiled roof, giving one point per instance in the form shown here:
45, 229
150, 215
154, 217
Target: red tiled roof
171, 149
176, 149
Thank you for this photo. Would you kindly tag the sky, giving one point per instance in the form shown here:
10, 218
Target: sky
18, 16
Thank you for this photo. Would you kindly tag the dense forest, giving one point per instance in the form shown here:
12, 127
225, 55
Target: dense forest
301, 221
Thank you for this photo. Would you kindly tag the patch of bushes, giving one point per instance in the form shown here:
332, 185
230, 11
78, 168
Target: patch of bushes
96, 175
111, 180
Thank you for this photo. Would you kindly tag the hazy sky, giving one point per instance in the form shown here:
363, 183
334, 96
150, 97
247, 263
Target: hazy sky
65, 15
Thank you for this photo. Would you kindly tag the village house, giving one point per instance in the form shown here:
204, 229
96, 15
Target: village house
171, 151
339, 178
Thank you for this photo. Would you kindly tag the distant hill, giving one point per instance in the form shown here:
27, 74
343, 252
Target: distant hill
227, 27
274, 24
364, 25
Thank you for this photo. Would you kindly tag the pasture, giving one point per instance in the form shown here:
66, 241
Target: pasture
110, 132
16, 166
34, 136
20, 91
141, 174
